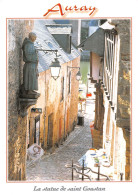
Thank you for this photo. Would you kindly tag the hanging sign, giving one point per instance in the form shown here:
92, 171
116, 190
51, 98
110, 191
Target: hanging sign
36, 110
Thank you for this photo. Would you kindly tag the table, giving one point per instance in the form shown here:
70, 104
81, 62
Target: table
96, 158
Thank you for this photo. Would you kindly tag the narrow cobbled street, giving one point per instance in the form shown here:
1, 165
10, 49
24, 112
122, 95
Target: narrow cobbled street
51, 167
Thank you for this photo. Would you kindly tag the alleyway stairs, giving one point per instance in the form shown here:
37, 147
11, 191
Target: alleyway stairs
52, 166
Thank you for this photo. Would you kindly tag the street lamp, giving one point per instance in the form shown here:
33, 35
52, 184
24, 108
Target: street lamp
78, 75
88, 75
55, 66
55, 69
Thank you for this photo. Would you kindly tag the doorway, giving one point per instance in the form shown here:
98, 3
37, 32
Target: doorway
60, 127
50, 131
37, 130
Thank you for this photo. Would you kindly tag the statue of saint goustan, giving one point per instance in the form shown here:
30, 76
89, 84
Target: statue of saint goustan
30, 70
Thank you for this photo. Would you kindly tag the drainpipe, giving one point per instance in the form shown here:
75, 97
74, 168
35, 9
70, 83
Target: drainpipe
65, 93
44, 132
64, 122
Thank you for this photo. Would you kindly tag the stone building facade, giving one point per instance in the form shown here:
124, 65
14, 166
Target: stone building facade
59, 108
47, 120
110, 60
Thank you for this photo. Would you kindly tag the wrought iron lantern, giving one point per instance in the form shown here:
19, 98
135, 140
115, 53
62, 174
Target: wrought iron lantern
88, 75
55, 69
78, 75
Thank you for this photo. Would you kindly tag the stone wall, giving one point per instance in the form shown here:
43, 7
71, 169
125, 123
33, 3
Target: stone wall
17, 30
128, 167
117, 143
123, 28
123, 117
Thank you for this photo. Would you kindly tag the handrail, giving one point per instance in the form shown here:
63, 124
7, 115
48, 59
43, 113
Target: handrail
78, 171
87, 168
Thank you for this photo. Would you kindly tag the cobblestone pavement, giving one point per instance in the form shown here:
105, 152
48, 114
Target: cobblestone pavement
52, 166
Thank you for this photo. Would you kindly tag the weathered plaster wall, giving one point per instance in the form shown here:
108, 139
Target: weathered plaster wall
64, 112
96, 66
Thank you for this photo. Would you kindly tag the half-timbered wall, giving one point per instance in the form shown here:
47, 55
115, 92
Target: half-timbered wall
111, 65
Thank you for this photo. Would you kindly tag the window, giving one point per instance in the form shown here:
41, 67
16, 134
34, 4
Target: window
50, 45
69, 83
37, 130
50, 131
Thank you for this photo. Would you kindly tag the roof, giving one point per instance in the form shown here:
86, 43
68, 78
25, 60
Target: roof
61, 21
93, 22
62, 34
59, 28
46, 41
96, 42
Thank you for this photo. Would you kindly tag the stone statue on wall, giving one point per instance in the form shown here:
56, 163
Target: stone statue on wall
30, 70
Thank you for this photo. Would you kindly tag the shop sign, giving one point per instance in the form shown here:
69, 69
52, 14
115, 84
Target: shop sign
36, 110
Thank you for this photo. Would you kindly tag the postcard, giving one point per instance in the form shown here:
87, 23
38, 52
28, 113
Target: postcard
68, 96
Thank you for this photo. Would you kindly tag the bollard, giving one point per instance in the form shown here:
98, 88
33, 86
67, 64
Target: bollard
98, 172
121, 176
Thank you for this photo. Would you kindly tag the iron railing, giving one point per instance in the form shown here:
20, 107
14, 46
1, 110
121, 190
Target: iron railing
80, 170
